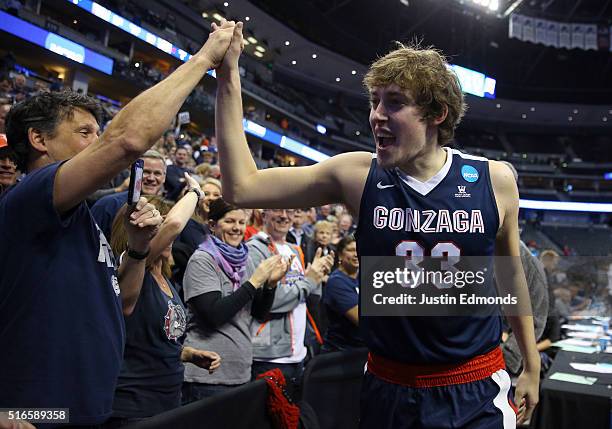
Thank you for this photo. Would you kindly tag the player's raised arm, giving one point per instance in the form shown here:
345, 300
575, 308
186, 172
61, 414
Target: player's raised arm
244, 185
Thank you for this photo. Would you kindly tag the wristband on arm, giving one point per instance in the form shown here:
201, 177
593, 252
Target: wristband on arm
137, 255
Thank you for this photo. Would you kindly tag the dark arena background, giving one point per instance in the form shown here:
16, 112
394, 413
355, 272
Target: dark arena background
537, 79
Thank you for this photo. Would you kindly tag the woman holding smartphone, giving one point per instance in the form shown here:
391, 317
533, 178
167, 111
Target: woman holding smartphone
152, 370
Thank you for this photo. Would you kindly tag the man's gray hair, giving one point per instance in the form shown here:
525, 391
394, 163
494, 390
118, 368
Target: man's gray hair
152, 153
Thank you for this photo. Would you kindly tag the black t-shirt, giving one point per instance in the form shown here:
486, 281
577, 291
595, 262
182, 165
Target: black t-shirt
152, 371
175, 181
61, 320
185, 244
193, 234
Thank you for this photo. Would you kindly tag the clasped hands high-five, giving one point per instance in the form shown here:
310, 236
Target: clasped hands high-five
223, 47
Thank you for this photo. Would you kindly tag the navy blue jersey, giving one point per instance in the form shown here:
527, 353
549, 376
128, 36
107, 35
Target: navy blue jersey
61, 320
105, 209
152, 372
341, 293
453, 212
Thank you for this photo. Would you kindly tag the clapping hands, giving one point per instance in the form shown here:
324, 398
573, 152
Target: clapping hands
320, 267
270, 271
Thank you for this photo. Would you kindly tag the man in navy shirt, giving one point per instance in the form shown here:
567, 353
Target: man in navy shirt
175, 178
153, 178
61, 319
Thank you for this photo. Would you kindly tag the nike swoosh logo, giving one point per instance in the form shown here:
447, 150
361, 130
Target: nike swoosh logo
379, 185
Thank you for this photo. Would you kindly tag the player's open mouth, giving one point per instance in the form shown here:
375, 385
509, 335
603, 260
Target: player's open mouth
385, 141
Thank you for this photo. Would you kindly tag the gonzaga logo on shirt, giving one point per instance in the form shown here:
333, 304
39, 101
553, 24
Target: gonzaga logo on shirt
175, 321
295, 272
293, 275
105, 256
469, 173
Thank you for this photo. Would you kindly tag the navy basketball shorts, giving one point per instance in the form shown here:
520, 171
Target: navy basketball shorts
473, 395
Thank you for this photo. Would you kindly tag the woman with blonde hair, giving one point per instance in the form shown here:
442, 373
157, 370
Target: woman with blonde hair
152, 370
196, 230
322, 237
212, 191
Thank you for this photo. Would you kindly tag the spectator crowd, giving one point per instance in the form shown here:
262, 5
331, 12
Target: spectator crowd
205, 310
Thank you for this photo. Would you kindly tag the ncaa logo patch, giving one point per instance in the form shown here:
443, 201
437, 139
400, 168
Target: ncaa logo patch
469, 173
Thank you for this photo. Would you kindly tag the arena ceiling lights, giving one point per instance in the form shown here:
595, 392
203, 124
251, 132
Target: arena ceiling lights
500, 8
492, 5
129, 27
258, 49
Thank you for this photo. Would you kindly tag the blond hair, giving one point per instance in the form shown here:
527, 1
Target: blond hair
549, 253
202, 170
426, 74
199, 215
323, 225
213, 181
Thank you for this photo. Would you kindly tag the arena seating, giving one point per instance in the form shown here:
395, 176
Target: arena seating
587, 241
241, 408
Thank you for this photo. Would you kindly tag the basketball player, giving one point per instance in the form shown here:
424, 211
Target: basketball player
422, 372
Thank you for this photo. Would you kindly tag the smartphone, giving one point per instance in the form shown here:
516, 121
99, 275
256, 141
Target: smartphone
135, 182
